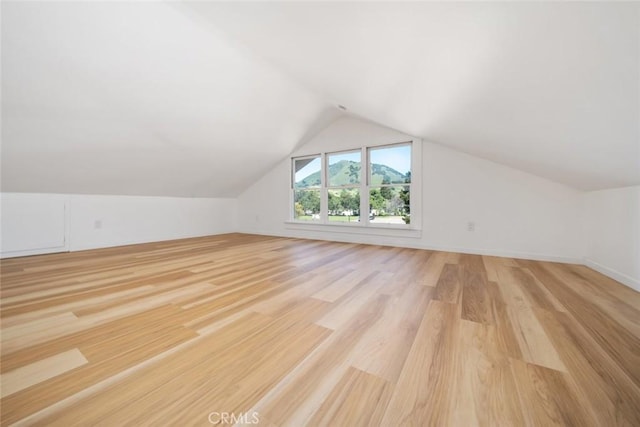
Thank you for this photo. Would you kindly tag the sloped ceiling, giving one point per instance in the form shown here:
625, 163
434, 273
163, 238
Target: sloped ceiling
200, 99
139, 98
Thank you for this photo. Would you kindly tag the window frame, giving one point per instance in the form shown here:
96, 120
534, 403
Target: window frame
370, 185
293, 189
364, 225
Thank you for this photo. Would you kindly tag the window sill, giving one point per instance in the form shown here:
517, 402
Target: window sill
355, 228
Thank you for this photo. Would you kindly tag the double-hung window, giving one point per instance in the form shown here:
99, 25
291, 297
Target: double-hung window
344, 178
307, 188
390, 184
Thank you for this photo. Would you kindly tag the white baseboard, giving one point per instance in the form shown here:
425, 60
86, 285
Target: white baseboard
614, 274
130, 242
30, 252
609, 272
504, 254
411, 243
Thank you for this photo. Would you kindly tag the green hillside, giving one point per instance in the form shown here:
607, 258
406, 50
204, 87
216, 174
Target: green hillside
344, 173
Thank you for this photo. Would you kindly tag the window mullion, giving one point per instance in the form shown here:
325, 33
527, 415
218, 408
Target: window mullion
324, 194
364, 187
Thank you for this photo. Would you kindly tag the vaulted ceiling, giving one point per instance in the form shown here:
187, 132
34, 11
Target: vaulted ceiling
202, 98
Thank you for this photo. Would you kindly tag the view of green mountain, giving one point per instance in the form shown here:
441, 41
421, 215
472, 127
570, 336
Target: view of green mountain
342, 173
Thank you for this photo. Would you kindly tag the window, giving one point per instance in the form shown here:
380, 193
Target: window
389, 202
343, 186
307, 183
369, 186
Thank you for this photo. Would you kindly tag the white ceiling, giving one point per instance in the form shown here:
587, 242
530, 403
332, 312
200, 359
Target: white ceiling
199, 99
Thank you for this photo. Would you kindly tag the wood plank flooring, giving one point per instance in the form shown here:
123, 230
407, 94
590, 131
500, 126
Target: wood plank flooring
288, 332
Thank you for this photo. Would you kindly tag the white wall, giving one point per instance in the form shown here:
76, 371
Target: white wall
29, 221
515, 213
612, 228
33, 223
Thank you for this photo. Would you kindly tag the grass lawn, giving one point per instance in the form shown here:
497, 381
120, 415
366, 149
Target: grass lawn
340, 218
391, 219
332, 218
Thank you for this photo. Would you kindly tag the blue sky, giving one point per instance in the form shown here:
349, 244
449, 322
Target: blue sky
398, 158
313, 166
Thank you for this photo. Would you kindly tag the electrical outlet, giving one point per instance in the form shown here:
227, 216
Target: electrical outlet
471, 226
97, 224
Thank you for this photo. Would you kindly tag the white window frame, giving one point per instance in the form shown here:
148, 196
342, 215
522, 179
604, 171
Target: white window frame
369, 186
292, 192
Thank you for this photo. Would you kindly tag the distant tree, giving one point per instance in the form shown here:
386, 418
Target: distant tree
309, 200
351, 200
356, 203
405, 196
335, 203
395, 205
376, 200
386, 192
299, 210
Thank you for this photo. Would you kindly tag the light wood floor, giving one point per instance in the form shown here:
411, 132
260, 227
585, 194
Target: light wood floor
302, 332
